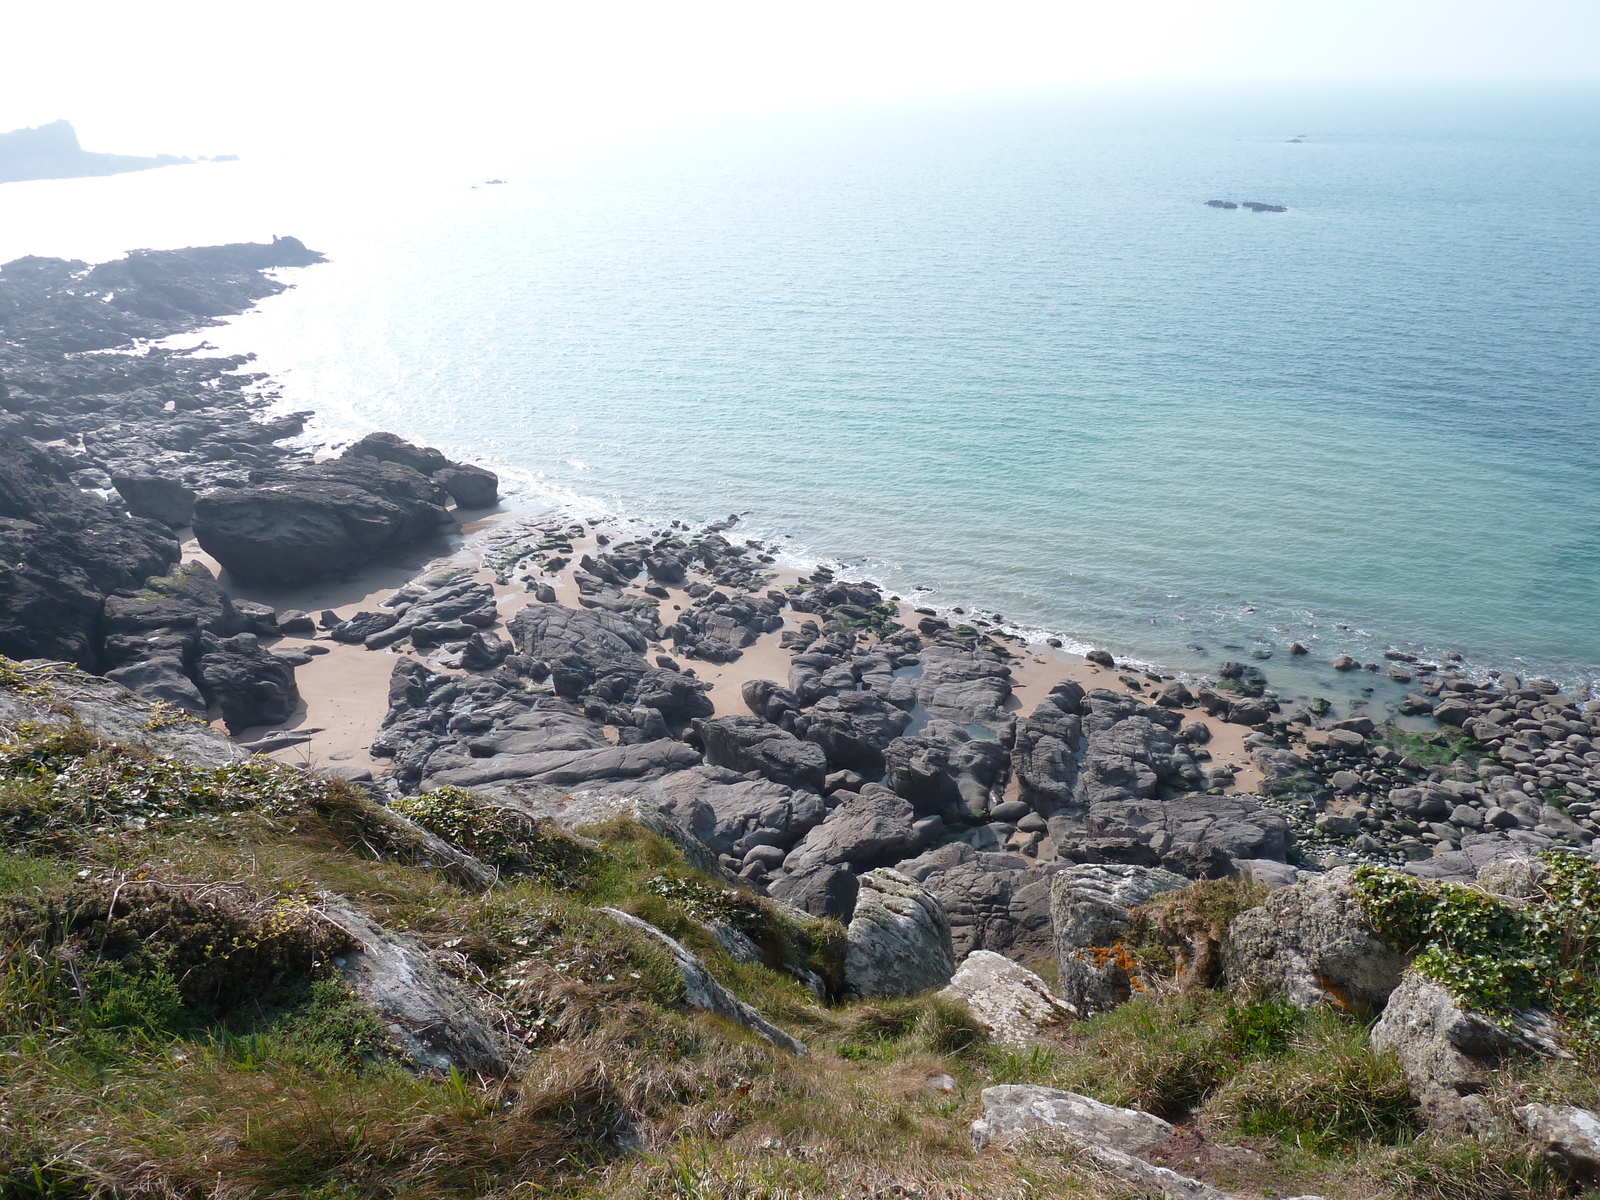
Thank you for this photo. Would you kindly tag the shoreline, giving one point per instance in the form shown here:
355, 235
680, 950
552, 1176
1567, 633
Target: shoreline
1086, 749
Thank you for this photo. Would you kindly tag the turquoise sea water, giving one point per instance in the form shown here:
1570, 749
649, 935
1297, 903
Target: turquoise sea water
1005, 352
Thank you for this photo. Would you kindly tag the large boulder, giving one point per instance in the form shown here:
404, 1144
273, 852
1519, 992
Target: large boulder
1569, 1137
586, 648
251, 686
162, 677
1133, 751
1014, 1005
701, 990
732, 814
187, 597
1309, 944
1194, 834
824, 890
469, 486
1091, 910
867, 828
157, 498
854, 729
898, 943
298, 526
969, 687
1013, 1109
746, 744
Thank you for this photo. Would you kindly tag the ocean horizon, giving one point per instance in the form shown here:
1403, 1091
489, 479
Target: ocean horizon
1002, 354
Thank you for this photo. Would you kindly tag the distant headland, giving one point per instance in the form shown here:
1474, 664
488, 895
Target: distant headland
52, 152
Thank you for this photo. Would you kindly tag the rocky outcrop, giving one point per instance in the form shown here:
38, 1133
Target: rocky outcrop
1045, 759
64, 552
434, 1021
854, 729
1309, 945
731, 814
297, 526
944, 770
898, 943
863, 830
1091, 912
702, 991
745, 744
1014, 1006
251, 686
966, 686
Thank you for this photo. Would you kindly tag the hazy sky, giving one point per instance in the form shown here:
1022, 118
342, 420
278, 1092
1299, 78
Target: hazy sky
199, 78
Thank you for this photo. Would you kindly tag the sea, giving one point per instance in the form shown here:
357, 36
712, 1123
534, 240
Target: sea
998, 354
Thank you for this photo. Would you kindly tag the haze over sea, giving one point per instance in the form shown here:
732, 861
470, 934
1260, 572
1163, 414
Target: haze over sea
1002, 350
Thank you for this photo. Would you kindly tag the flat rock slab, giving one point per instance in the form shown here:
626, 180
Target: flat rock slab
1012, 1109
436, 1022
703, 991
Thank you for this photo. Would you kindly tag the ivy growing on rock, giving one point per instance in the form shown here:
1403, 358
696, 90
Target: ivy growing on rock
1497, 955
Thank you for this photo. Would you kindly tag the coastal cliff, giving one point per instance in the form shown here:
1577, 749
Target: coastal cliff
645, 868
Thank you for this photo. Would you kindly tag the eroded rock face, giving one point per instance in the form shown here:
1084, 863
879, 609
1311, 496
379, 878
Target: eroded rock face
899, 939
1013, 1004
702, 990
854, 729
1090, 909
998, 902
434, 1020
584, 647
65, 551
1309, 945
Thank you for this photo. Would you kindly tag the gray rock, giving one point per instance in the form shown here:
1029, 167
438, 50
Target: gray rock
873, 827
751, 744
564, 768
162, 677
470, 486
702, 991
1568, 1137
1045, 757
824, 890
898, 942
1195, 834
1013, 1004
251, 686
854, 729
945, 770
1090, 909
969, 687
437, 1023
1309, 944
157, 497
731, 814
585, 648
1011, 1110
995, 901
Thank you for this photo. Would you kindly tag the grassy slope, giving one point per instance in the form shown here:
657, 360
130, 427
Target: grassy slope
179, 1056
